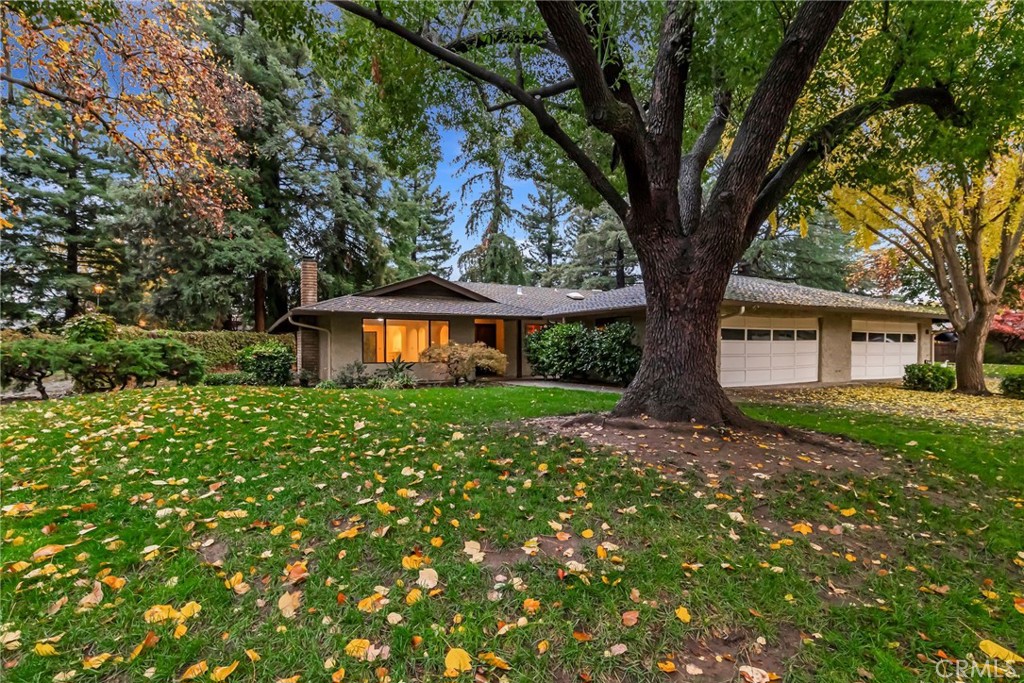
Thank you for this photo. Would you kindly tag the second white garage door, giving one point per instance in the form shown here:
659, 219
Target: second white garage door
763, 351
880, 350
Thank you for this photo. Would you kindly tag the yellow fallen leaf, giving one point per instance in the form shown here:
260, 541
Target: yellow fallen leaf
683, 614
531, 606
45, 650
180, 630
338, 676
543, 646
414, 596
997, 651
150, 640
1018, 604
802, 528
848, 512
495, 661
195, 671
457, 660
253, 655
115, 582
412, 561
222, 672
357, 648
190, 609
288, 603
587, 533
96, 661
668, 666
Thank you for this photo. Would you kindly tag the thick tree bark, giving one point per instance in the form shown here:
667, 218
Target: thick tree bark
259, 301
970, 354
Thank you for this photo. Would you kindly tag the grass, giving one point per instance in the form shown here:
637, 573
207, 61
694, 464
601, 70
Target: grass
149, 486
997, 370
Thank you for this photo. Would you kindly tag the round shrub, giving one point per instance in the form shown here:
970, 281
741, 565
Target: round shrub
929, 377
28, 362
1012, 386
105, 366
616, 357
562, 351
462, 360
268, 362
181, 363
90, 327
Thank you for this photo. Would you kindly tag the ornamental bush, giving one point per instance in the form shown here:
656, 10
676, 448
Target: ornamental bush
90, 327
28, 362
616, 357
219, 348
462, 360
1012, 386
105, 366
561, 351
929, 377
268, 362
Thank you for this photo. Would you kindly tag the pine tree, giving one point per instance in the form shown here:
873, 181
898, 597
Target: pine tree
542, 220
57, 254
602, 257
420, 235
814, 253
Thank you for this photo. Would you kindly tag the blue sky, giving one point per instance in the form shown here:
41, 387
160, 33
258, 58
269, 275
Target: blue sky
451, 181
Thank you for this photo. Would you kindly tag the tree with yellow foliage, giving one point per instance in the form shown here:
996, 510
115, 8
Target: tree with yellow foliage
964, 230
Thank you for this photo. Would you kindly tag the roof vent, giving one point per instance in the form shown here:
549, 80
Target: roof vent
519, 291
575, 295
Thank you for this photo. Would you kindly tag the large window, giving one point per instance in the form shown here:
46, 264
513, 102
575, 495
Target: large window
386, 340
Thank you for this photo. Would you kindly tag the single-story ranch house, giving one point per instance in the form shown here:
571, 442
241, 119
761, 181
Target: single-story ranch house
770, 332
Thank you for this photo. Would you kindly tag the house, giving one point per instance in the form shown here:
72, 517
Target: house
770, 332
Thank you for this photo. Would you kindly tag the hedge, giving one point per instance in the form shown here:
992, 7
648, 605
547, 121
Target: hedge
220, 348
1013, 386
572, 351
929, 377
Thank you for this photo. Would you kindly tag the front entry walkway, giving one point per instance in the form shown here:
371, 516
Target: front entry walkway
555, 384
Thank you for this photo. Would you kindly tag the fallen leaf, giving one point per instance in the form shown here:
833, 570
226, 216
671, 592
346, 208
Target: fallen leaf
195, 671
457, 660
630, 618
683, 614
997, 651
288, 603
222, 672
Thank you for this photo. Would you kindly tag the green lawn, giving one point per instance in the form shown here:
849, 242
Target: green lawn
369, 489
996, 370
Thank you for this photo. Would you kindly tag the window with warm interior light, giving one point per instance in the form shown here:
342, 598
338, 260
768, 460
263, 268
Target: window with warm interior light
384, 340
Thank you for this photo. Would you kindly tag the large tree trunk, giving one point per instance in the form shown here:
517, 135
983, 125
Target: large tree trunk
970, 354
684, 280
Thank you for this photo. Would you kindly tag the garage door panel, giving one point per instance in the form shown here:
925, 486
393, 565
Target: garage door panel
773, 351
882, 349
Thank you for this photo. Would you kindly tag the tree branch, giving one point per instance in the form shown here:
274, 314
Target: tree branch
767, 113
691, 166
504, 35
540, 93
547, 124
780, 180
668, 92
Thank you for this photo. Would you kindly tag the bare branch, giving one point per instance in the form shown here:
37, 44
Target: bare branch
505, 35
540, 93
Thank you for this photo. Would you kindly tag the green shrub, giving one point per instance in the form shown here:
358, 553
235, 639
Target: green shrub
219, 348
181, 363
616, 358
328, 384
223, 379
352, 375
9, 335
268, 362
28, 362
929, 377
462, 360
562, 351
395, 375
105, 366
90, 327
1012, 386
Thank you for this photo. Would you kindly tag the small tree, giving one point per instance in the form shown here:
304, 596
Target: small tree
1008, 328
462, 360
963, 230
28, 363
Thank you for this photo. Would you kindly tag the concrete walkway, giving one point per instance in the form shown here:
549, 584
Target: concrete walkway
553, 384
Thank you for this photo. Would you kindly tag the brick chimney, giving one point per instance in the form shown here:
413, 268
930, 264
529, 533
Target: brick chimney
308, 341
308, 281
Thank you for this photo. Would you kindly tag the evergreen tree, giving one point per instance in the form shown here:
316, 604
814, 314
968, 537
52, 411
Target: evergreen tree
814, 253
602, 257
542, 220
419, 227
57, 253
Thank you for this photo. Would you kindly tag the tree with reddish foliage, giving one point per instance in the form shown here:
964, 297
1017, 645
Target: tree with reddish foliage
1008, 329
143, 75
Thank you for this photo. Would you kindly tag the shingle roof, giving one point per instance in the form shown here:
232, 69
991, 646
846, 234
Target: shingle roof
415, 305
751, 290
538, 299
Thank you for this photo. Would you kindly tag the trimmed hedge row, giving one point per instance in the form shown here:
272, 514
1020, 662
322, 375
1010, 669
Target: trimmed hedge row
219, 348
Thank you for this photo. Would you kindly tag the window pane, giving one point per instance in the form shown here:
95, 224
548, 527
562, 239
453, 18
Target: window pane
876, 337
783, 335
438, 332
759, 335
732, 334
373, 340
406, 338
860, 336
892, 338
909, 338
811, 335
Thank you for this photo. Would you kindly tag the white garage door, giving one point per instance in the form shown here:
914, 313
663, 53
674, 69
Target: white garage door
763, 351
881, 349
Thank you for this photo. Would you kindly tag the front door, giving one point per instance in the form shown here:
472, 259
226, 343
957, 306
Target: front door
488, 334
